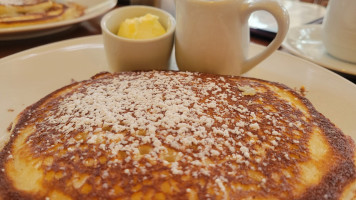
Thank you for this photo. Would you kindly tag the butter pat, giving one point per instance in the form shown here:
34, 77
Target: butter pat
144, 27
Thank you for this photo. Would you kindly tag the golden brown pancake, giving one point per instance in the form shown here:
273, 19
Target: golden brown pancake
37, 12
176, 135
24, 6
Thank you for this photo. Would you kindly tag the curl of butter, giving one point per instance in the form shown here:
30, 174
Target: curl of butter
145, 27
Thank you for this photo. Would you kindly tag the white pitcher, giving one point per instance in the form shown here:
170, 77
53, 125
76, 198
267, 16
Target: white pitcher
213, 35
339, 29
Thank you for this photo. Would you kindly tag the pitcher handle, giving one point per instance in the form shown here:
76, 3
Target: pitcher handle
282, 18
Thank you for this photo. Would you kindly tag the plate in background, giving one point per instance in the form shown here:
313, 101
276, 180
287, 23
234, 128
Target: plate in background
93, 9
299, 12
306, 41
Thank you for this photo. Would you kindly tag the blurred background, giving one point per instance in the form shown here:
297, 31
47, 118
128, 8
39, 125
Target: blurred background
157, 2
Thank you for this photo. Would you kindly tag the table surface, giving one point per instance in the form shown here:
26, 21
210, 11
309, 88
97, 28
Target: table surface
92, 27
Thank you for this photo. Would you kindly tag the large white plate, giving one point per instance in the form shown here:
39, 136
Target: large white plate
299, 13
27, 76
93, 9
306, 41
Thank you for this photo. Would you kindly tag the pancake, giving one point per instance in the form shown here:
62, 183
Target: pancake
38, 12
24, 6
176, 135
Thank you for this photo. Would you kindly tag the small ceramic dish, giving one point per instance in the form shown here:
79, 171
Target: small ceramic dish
125, 54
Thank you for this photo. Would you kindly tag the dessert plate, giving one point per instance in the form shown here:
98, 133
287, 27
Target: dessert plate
299, 12
305, 41
93, 9
27, 76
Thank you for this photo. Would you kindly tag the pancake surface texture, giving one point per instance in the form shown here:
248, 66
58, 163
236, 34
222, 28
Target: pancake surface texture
32, 12
175, 135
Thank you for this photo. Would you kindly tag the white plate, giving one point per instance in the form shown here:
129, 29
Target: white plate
305, 41
93, 9
30, 75
299, 12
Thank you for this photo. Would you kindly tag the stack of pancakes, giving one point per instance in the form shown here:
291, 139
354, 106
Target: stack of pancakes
176, 135
14, 13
